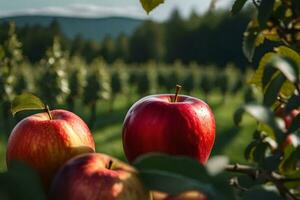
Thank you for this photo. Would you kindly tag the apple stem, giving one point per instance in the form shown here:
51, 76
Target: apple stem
48, 112
110, 164
178, 88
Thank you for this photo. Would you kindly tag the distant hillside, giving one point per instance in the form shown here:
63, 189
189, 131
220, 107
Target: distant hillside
89, 28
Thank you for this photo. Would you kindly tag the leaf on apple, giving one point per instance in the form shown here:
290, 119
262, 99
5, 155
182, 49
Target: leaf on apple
174, 174
149, 5
26, 101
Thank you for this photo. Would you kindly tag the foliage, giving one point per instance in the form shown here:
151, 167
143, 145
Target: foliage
274, 151
77, 80
274, 147
21, 182
53, 83
98, 87
119, 79
10, 59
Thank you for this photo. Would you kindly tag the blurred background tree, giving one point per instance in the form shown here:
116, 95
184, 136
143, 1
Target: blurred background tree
11, 56
53, 81
198, 38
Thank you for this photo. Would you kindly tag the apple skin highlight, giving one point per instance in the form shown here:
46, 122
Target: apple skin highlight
156, 124
46, 144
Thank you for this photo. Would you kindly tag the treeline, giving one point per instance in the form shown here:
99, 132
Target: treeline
64, 81
212, 38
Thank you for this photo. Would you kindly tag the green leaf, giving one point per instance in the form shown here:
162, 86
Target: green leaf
271, 163
264, 11
149, 5
295, 124
291, 156
273, 90
259, 112
259, 152
172, 174
250, 150
287, 54
175, 164
21, 182
288, 68
267, 76
257, 78
262, 114
237, 6
250, 39
26, 101
282, 52
261, 192
217, 164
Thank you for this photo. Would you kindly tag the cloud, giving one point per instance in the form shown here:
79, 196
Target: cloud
81, 10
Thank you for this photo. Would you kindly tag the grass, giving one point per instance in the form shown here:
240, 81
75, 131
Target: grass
230, 140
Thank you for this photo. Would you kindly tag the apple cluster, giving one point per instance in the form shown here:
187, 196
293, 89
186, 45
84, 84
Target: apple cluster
60, 147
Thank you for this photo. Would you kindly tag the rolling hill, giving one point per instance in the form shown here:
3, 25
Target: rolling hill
89, 28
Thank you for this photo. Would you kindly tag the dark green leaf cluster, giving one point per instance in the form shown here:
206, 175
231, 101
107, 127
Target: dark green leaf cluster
174, 175
21, 182
276, 21
274, 149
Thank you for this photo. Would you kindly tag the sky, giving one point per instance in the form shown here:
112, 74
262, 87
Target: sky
103, 8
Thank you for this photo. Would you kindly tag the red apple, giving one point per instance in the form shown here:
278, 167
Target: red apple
45, 144
157, 124
291, 139
287, 117
97, 176
188, 195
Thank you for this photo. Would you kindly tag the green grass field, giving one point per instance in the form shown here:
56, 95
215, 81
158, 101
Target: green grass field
230, 140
